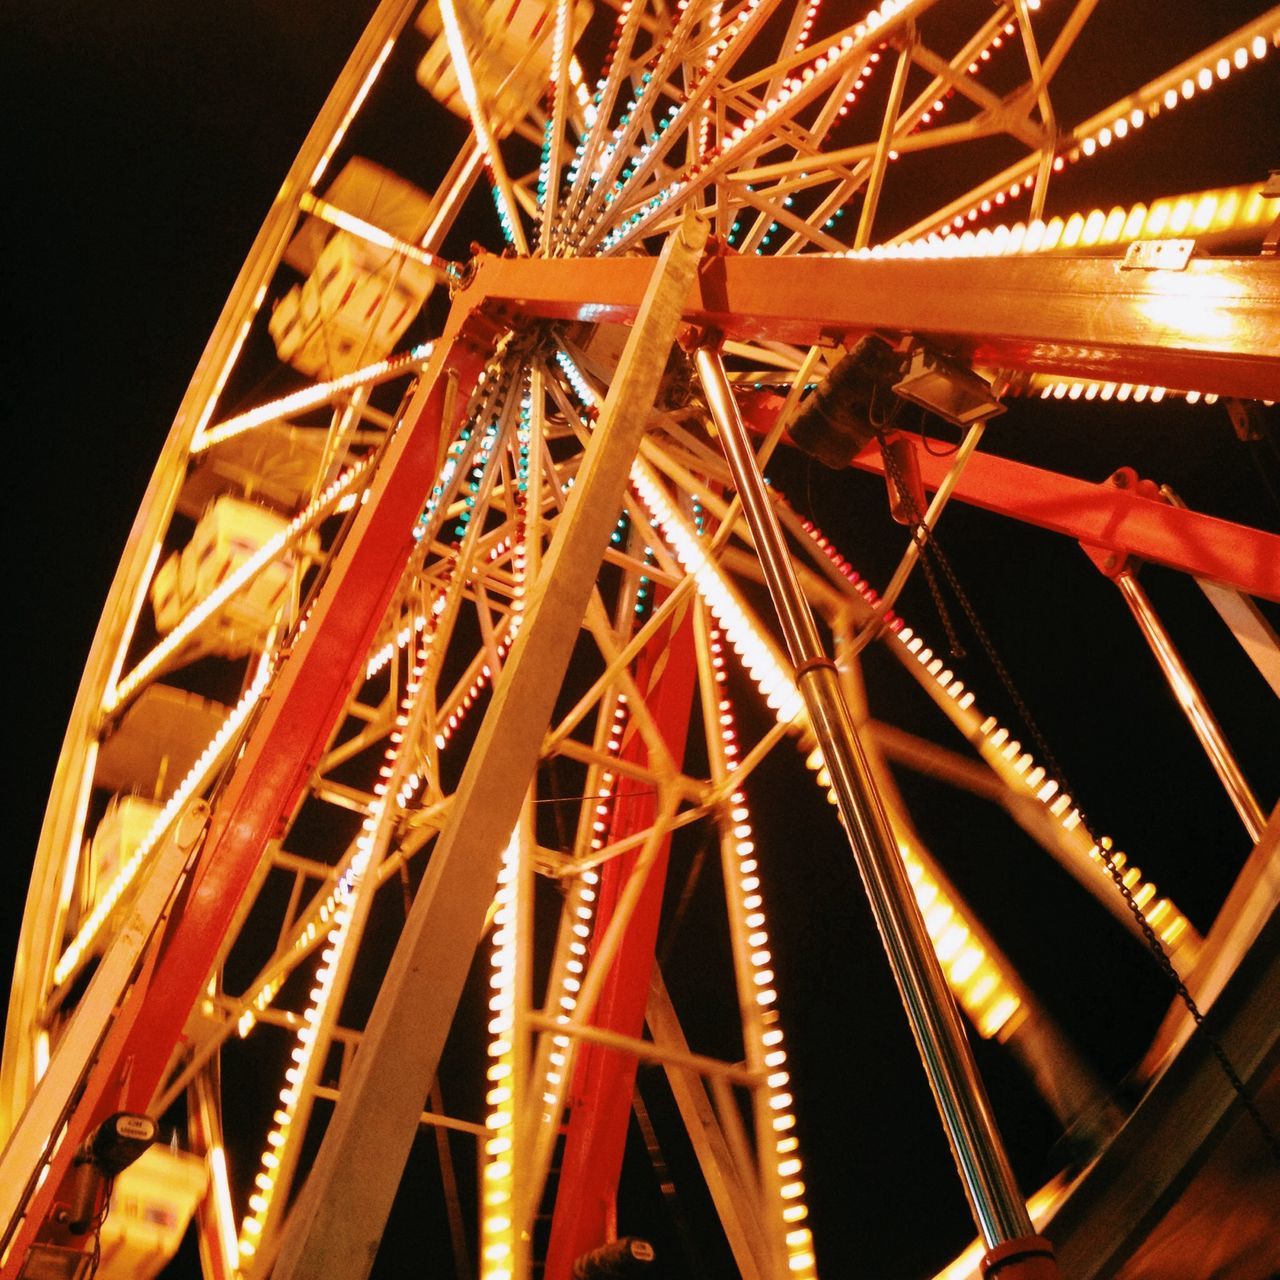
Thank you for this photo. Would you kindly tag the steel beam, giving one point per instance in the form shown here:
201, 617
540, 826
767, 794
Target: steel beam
1212, 327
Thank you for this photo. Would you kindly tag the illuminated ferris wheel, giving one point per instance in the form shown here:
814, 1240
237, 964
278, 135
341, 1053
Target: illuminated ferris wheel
411, 803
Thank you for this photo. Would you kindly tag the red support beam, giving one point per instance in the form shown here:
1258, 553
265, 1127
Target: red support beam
604, 1079
287, 739
1119, 520
1114, 516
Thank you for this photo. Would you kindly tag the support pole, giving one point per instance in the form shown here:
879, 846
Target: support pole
335, 1227
997, 1207
1192, 702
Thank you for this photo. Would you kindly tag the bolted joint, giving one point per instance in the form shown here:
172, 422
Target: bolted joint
696, 337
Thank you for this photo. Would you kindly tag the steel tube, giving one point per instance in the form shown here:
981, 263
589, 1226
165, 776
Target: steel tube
994, 1199
1192, 702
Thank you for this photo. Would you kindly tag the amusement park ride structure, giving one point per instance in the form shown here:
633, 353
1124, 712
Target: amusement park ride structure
406, 840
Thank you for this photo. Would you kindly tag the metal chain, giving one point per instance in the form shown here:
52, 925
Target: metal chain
927, 552
929, 542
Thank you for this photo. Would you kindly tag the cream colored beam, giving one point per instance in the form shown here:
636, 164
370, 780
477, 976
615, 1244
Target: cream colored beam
336, 1225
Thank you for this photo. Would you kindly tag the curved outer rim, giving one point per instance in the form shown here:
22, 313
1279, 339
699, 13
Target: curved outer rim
39, 935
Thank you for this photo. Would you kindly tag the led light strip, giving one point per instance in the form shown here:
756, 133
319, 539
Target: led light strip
559, 46
499, 183
309, 397
975, 979
450, 718
303, 522
189, 787
1047, 387
356, 103
1019, 768
376, 235
1234, 53
1226, 209
421, 629
592, 113
497, 1222
326, 976
447, 477
761, 1021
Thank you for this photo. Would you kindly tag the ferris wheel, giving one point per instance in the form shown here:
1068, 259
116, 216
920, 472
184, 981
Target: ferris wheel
435, 773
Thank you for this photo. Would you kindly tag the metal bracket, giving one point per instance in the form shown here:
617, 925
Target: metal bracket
1157, 255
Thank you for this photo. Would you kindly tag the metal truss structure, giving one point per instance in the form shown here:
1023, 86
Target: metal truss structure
422, 688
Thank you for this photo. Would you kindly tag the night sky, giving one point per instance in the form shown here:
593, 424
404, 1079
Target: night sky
143, 144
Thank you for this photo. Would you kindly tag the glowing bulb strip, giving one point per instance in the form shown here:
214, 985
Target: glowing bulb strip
712, 23
597, 114
779, 1147
605, 184
1019, 769
553, 1064
977, 982
306, 932
350, 114
381, 657
450, 718
553, 131
498, 1232
459, 454
806, 26
339, 918
1246, 46
1202, 213
376, 235
1047, 387
220, 1206
423, 631
757, 653
309, 397
272, 549
190, 786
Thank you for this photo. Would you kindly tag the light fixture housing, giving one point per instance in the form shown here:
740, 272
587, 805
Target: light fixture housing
947, 388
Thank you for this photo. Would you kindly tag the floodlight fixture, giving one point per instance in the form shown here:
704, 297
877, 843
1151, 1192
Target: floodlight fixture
946, 387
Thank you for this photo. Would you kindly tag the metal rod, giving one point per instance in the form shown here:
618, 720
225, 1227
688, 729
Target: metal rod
871, 195
997, 1207
1192, 702
646, 1050
1242, 616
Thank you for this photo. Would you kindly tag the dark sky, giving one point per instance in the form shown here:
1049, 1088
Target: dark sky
143, 143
